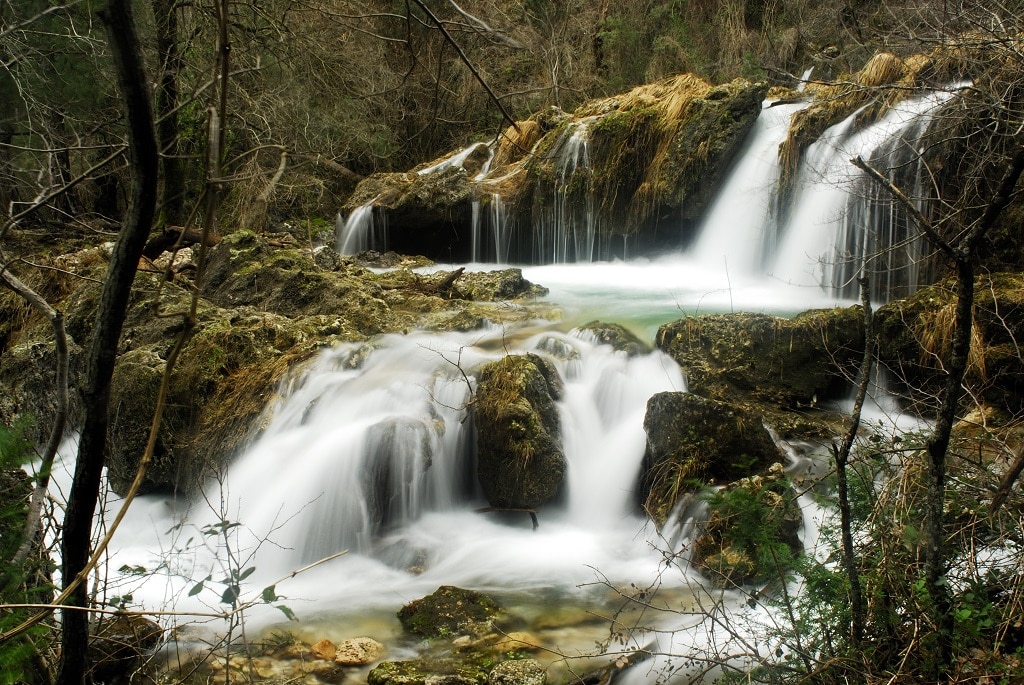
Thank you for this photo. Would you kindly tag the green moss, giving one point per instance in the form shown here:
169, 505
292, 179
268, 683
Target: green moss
447, 612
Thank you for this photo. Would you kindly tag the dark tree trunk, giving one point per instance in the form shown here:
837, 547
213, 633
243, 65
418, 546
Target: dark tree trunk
77, 533
60, 165
172, 200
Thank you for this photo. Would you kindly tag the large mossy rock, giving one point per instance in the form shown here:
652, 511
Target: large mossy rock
659, 150
617, 336
654, 154
693, 440
449, 612
916, 334
788, 362
520, 463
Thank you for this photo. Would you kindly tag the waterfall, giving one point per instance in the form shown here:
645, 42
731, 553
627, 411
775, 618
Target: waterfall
475, 234
501, 231
839, 222
565, 229
490, 232
736, 230
374, 439
365, 229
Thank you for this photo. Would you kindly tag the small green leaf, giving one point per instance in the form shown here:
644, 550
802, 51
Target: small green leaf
196, 589
246, 573
270, 594
287, 612
231, 593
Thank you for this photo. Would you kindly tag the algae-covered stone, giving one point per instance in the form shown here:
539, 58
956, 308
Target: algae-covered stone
691, 439
517, 672
440, 671
789, 362
520, 460
447, 612
502, 284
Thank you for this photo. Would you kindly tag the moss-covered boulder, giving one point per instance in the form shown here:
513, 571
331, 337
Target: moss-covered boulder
916, 334
658, 151
520, 463
619, 337
448, 612
497, 286
787, 362
693, 440
752, 531
654, 153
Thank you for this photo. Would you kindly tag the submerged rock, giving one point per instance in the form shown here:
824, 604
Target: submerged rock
520, 463
692, 440
517, 672
358, 651
439, 671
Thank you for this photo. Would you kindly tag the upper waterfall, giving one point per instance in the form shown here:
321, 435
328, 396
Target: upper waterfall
679, 167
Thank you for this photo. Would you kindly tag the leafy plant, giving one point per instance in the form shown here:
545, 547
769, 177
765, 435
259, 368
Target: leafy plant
21, 659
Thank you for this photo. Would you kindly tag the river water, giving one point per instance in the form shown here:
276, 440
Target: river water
370, 449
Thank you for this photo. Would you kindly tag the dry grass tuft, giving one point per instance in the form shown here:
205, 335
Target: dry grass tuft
883, 69
514, 144
934, 331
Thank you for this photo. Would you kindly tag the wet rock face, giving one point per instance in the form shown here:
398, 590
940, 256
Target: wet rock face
447, 612
520, 460
427, 213
787, 362
692, 440
655, 153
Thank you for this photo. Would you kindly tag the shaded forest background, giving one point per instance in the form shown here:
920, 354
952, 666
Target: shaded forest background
322, 94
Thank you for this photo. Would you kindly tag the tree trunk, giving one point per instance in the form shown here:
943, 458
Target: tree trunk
938, 446
172, 200
77, 533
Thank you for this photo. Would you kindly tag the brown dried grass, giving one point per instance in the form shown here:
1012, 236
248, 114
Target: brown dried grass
516, 141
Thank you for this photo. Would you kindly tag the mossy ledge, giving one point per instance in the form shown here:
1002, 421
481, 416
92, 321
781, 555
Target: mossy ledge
267, 305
